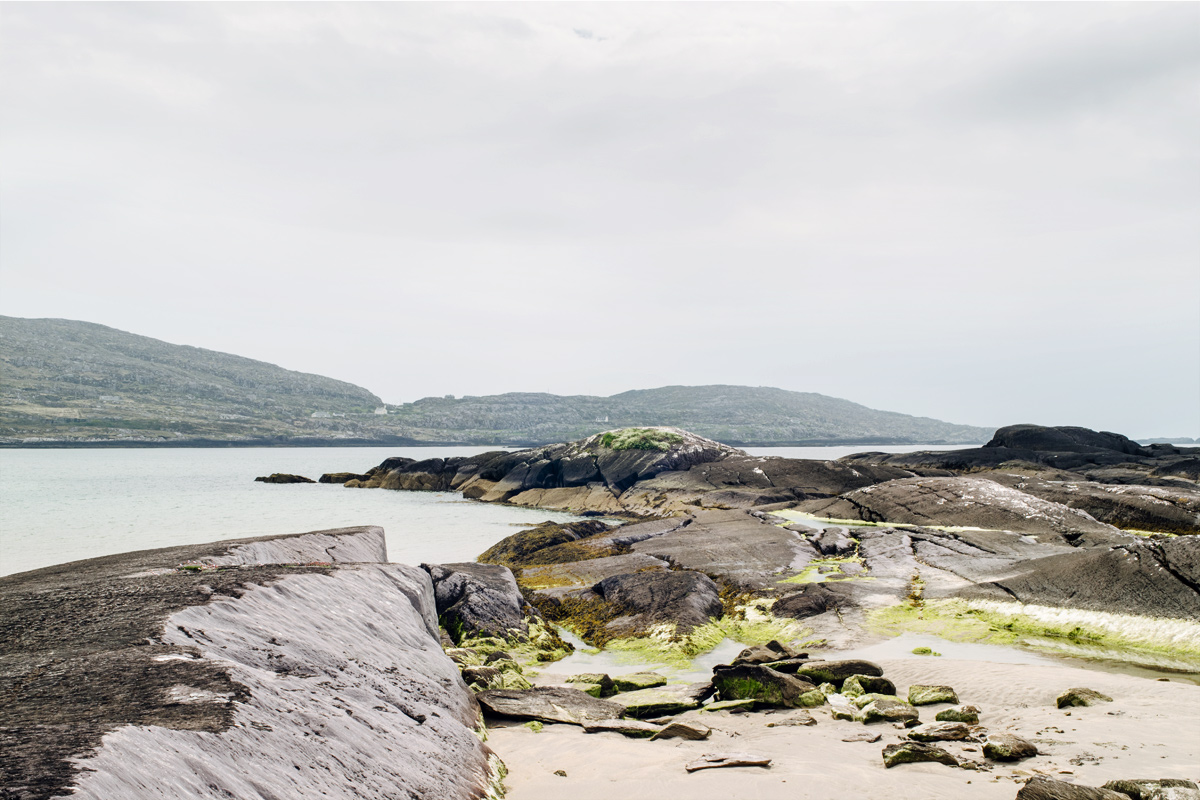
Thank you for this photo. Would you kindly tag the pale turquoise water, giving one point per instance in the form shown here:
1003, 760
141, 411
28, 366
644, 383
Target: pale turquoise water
63, 505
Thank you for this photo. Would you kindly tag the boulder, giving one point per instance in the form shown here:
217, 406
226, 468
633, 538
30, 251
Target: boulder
746, 704
760, 683
764, 653
633, 728
283, 477
549, 704
548, 543
835, 672
601, 681
921, 695
1008, 747
864, 700
967, 714
915, 752
834, 541
814, 599
884, 710
341, 477
1161, 789
939, 732
662, 700
478, 600
1039, 788
867, 684
646, 599
1081, 697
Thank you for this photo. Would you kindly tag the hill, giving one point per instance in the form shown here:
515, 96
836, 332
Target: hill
78, 383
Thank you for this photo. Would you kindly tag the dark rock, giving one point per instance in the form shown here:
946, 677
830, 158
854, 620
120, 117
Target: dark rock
684, 599
867, 684
759, 683
1008, 747
341, 477
598, 679
1161, 789
835, 672
764, 653
1047, 789
834, 541
814, 599
549, 704
283, 477
684, 730
714, 760
967, 714
1081, 697
914, 752
548, 543
478, 600
1064, 440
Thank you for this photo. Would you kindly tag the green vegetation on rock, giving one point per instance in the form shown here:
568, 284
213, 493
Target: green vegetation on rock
640, 439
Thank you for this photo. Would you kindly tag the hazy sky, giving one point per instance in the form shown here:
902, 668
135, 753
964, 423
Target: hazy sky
985, 213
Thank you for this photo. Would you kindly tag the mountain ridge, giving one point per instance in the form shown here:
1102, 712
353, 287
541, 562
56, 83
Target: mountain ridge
72, 383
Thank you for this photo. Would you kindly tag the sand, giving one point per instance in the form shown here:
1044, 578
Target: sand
1151, 730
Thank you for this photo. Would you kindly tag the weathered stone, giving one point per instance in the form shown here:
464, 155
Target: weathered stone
834, 541
464, 656
884, 710
1008, 747
760, 683
811, 699
867, 684
684, 730
920, 695
814, 599
967, 714
478, 600
1161, 789
765, 653
802, 718
548, 543
870, 738
341, 477
714, 760
939, 732
1039, 788
835, 672
549, 704
634, 728
864, 700
914, 752
680, 598
660, 700
603, 682
747, 704
638, 680
1081, 697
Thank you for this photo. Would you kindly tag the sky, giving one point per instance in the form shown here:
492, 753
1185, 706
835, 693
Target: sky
983, 213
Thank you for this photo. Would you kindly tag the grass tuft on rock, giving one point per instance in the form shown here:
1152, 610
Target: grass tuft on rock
640, 439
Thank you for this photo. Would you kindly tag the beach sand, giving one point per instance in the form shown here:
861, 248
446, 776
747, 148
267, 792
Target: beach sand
1151, 730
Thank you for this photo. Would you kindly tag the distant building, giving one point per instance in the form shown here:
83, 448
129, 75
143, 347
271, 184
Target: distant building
321, 415
381, 410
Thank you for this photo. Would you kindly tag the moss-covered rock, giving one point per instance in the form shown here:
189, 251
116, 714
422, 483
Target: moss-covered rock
1008, 747
835, 672
603, 683
967, 714
811, 699
864, 700
884, 710
1081, 697
531, 547
915, 752
922, 695
1160, 789
857, 685
761, 683
661, 700
747, 704
638, 680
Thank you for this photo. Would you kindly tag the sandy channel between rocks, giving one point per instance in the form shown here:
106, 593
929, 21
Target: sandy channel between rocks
1150, 730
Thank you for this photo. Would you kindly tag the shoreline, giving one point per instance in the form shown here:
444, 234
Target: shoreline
400, 441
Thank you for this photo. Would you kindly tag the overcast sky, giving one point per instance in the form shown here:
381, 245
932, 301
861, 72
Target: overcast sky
984, 213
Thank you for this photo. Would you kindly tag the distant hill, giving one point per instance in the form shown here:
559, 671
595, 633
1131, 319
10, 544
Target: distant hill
78, 381
64, 382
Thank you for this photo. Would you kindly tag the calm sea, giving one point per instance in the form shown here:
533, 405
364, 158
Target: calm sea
63, 505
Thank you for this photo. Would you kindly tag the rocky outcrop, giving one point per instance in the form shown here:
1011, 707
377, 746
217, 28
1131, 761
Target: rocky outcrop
645, 599
549, 704
478, 600
1039, 788
283, 477
115, 665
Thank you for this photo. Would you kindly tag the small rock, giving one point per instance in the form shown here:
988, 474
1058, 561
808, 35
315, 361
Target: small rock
919, 695
863, 737
627, 727
883, 710
1081, 697
967, 714
913, 752
867, 684
939, 732
1039, 788
283, 477
799, 718
1008, 747
683, 730
731, 705
562, 773
763, 684
864, 700
549, 704
660, 700
765, 653
715, 760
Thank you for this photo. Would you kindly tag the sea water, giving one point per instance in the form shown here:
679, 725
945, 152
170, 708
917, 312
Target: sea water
64, 505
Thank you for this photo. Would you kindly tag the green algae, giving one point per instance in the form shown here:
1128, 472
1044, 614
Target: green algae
1162, 643
640, 439
813, 573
